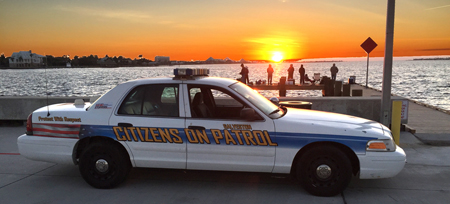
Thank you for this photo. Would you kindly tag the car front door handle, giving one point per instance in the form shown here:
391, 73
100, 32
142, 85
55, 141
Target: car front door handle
125, 125
197, 127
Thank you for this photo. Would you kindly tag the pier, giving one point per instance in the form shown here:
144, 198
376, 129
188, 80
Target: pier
289, 87
328, 87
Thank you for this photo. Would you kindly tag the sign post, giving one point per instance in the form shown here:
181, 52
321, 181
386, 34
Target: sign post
368, 46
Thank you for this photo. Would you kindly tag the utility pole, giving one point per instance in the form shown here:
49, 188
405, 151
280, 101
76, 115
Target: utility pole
387, 66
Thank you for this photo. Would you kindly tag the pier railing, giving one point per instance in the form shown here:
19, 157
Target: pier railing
328, 87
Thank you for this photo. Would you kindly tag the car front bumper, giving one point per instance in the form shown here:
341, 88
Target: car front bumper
374, 165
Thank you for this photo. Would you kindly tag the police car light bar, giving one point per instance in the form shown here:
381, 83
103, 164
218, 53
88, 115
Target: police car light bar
190, 72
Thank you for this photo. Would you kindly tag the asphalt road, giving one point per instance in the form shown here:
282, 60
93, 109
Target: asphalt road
425, 179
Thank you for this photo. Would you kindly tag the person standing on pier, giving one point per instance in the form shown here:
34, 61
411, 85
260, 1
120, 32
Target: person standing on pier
334, 70
269, 75
302, 74
244, 74
291, 72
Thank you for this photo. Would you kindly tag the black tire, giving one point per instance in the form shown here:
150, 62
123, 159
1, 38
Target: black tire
334, 175
104, 176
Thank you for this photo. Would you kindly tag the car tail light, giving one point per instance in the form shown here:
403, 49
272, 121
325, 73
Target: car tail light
30, 124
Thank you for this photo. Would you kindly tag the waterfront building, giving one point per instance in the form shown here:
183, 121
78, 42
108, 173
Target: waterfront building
243, 61
228, 60
26, 59
106, 62
211, 60
162, 60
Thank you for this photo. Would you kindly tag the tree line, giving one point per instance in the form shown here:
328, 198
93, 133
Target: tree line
88, 61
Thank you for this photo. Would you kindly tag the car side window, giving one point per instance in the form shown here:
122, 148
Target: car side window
223, 99
213, 102
192, 92
132, 105
169, 95
152, 100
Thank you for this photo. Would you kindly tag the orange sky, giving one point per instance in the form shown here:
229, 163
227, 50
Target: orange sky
196, 30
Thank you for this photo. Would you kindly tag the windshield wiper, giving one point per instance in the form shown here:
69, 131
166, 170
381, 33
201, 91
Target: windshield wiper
275, 111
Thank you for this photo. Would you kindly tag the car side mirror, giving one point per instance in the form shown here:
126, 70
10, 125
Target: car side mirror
248, 114
275, 101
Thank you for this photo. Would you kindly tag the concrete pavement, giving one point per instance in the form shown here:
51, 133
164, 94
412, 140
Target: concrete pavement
425, 179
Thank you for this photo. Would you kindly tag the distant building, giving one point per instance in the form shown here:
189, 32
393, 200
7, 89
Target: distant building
243, 61
26, 59
162, 60
106, 62
228, 60
210, 60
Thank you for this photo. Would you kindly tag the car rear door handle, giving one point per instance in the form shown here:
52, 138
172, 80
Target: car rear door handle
197, 127
125, 125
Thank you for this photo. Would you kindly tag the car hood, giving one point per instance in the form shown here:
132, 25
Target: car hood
325, 123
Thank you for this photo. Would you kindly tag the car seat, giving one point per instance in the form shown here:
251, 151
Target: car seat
200, 109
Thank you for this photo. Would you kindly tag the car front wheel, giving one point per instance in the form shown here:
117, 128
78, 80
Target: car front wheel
324, 171
104, 165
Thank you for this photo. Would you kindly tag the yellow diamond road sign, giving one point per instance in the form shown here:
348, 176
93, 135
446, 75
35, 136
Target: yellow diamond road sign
369, 45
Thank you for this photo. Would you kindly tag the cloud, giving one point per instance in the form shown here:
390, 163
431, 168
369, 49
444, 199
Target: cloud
127, 15
439, 7
185, 26
440, 49
273, 41
166, 22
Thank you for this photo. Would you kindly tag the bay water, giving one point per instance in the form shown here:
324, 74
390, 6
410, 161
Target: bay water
426, 81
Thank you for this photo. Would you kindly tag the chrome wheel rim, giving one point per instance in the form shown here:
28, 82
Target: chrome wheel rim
101, 165
323, 171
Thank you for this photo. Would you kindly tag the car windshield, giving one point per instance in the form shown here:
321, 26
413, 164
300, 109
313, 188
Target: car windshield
258, 100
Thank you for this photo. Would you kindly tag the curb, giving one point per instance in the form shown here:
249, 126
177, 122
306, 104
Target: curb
442, 139
409, 129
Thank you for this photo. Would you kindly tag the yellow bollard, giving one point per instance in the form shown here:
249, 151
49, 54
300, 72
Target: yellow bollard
396, 120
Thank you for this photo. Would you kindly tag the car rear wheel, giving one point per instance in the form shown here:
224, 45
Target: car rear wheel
324, 171
104, 165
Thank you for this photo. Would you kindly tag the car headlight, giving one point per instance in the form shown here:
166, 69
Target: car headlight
381, 145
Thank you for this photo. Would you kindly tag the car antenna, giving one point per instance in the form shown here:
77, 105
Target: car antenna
46, 81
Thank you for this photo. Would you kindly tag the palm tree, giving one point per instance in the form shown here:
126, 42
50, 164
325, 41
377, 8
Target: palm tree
31, 59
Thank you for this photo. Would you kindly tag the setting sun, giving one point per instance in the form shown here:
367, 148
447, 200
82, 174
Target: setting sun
277, 57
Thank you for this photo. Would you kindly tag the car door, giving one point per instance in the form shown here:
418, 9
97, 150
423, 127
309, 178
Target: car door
219, 138
148, 121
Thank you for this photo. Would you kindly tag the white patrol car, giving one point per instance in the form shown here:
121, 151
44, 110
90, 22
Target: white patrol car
193, 121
